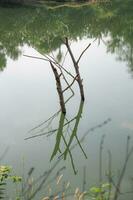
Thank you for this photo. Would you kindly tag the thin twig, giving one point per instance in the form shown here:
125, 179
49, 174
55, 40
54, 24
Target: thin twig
129, 153
52, 131
70, 84
35, 57
76, 67
100, 159
84, 179
109, 173
83, 52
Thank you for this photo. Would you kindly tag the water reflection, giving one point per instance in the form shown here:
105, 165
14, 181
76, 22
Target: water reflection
67, 130
44, 27
63, 130
58, 71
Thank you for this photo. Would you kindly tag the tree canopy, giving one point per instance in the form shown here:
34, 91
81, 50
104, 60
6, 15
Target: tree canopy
43, 28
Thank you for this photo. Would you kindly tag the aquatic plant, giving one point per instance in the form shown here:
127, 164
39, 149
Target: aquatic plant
5, 175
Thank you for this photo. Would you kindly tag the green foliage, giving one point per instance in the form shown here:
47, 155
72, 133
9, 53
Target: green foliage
5, 175
99, 193
43, 28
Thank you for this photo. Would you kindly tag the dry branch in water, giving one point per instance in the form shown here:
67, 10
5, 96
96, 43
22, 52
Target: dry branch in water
76, 66
59, 88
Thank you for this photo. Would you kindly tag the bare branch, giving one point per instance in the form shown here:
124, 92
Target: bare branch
70, 84
35, 57
52, 131
76, 67
59, 88
83, 52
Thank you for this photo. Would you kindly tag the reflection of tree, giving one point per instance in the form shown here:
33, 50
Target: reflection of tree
58, 71
124, 51
2, 61
67, 131
43, 28
65, 134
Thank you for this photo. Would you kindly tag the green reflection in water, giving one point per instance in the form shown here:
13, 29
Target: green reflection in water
44, 27
61, 133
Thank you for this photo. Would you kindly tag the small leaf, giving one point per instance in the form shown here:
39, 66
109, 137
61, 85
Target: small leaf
95, 190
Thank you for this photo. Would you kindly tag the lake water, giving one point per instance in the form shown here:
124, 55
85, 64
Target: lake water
28, 93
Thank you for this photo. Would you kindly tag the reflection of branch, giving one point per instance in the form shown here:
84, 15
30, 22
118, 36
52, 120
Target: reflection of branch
128, 154
58, 141
46, 174
4, 154
50, 132
91, 130
50, 118
41, 134
84, 179
109, 173
100, 164
41, 124
47, 59
100, 159
64, 58
58, 136
70, 154
43, 181
83, 52
85, 134
74, 132
80, 146
54, 63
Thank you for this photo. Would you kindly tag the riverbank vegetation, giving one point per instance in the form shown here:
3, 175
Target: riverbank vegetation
109, 186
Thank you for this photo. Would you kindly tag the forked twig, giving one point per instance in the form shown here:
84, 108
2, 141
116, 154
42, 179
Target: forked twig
83, 52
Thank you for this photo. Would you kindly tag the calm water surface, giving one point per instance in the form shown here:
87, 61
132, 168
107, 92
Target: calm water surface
28, 93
